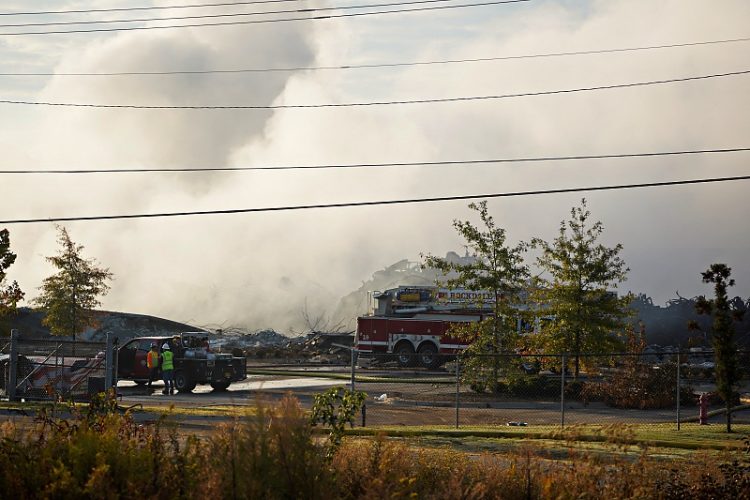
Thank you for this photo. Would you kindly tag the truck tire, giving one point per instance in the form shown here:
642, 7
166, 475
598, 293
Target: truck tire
428, 356
219, 386
182, 382
404, 355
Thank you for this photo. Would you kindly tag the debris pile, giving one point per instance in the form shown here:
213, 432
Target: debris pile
325, 347
268, 344
238, 339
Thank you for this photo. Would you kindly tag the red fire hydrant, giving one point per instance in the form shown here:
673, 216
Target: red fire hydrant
703, 405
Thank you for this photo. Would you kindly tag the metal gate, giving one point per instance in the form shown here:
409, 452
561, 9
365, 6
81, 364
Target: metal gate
54, 368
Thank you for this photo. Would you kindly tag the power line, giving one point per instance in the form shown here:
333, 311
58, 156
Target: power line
264, 21
211, 16
392, 64
129, 9
372, 165
511, 194
385, 103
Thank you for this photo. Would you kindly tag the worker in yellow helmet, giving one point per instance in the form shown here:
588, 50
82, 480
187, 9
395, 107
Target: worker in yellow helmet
167, 369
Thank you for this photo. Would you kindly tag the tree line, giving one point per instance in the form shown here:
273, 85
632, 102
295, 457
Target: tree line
678, 321
576, 288
68, 297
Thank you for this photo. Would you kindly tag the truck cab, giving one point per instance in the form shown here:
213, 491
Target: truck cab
131, 358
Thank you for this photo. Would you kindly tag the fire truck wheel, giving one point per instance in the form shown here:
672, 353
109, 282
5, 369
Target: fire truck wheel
219, 386
404, 354
182, 382
428, 356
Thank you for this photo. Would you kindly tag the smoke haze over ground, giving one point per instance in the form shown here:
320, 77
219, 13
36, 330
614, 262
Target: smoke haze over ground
259, 270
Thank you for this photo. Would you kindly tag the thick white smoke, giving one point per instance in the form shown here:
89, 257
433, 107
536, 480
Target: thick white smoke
259, 270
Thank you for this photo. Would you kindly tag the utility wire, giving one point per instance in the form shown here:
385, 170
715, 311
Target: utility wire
264, 21
378, 165
233, 14
385, 103
391, 64
384, 202
129, 9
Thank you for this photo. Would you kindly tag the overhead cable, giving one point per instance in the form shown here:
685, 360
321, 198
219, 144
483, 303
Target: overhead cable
380, 165
383, 103
511, 194
129, 9
388, 64
233, 14
265, 21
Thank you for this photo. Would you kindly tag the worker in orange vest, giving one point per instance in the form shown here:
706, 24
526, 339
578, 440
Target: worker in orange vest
152, 361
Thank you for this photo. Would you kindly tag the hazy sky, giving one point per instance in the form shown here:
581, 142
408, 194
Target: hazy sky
258, 270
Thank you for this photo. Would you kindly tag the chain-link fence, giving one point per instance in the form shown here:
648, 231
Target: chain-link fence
544, 389
55, 368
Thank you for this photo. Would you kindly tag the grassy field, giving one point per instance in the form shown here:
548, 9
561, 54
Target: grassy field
689, 437
277, 451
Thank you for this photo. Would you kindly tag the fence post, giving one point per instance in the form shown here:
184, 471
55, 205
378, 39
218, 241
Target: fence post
108, 364
458, 388
678, 390
115, 361
563, 367
353, 383
13, 366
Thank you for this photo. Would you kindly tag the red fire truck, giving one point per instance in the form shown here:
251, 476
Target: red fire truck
412, 323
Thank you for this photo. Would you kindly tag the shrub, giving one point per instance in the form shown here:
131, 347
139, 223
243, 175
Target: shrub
516, 384
335, 408
385, 469
271, 454
104, 454
530, 386
98, 454
639, 387
274, 454
573, 389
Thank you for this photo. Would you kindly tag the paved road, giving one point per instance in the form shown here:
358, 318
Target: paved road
244, 392
400, 403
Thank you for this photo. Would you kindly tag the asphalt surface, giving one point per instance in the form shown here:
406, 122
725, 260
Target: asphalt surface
407, 403
246, 391
238, 393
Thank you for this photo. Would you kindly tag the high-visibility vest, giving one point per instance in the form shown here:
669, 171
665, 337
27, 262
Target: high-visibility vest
167, 359
152, 359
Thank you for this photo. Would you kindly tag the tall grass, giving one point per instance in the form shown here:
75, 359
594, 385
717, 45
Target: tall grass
275, 454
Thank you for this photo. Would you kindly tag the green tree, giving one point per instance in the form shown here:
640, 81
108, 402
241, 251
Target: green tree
10, 294
70, 295
577, 289
725, 352
496, 268
335, 408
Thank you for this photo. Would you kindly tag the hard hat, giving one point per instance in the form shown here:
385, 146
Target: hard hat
165, 346
153, 345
